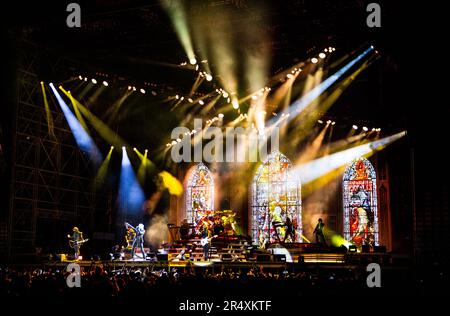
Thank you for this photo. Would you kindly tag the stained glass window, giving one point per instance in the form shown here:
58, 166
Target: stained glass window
360, 203
199, 194
275, 199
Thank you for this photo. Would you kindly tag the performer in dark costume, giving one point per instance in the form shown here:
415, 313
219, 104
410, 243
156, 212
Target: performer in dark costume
76, 240
205, 241
290, 231
318, 231
138, 239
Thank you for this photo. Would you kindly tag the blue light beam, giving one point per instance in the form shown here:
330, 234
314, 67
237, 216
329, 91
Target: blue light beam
131, 195
82, 138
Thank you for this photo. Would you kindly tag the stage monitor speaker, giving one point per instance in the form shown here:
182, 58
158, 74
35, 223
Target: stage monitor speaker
262, 258
379, 249
162, 257
279, 258
365, 248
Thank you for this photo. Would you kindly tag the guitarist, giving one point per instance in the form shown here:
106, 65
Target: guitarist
205, 241
138, 240
76, 240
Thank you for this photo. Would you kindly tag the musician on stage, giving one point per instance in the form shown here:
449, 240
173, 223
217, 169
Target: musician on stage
318, 231
138, 240
205, 241
130, 235
75, 241
290, 231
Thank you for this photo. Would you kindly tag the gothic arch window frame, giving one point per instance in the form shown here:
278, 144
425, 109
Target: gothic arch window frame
266, 185
350, 180
193, 186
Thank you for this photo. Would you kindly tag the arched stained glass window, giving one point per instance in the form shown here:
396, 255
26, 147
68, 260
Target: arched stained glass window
360, 203
275, 197
199, 194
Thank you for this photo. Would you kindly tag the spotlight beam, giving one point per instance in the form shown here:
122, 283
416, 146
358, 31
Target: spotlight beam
319, 167
131, 196
82, 138
298, 106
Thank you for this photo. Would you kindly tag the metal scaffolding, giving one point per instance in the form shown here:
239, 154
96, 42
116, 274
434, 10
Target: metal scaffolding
51, 184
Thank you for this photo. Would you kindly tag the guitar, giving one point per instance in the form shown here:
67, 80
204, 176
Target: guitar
206, 240
73, 243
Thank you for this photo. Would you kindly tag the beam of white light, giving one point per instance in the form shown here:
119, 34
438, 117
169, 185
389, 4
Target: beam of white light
299, 105
131, 195
82, 138
317, 168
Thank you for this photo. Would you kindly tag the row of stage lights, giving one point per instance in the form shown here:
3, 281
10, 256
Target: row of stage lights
106, 84
209, 122
323, 54
355, 127
193, 61
134, 149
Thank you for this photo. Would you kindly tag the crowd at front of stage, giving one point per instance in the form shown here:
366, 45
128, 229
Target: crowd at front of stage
257, 281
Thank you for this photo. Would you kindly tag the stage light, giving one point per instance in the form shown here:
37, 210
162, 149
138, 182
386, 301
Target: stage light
182, 98
94, 81
129, 88
177, 97
112, 147
105, 83
134, 148
290, 76
329, 122
178, 140
134, 88
190, 100
235, 104
123, 148
192, 61
146, 150
201, 102
254, 97
355, 127
80, 77
326, 50
209, 77
220, 115
174, 142
322, 55
85, 79
314, 60
374, 129
365, 129
318, 121
225, 95
142, 91
333, 123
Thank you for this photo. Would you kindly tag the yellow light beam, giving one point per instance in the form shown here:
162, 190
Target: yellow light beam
48, 113
103, 130
103, 170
